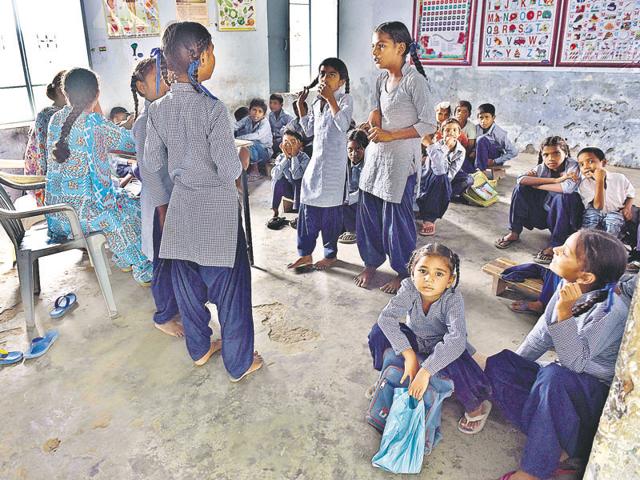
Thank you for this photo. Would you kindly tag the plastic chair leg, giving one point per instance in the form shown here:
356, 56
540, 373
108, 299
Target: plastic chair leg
36, 277
95, 246
25, 275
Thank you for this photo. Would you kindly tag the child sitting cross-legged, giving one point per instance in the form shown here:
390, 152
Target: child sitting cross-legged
558, 405
426, 319
286, 175
442, 176
493, 146
607, 196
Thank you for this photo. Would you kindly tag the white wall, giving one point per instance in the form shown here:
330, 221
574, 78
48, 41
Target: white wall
242, 58
587, 106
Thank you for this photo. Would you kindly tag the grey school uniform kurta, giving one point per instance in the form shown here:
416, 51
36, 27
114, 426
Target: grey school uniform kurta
388, 164
324, 180
191, 135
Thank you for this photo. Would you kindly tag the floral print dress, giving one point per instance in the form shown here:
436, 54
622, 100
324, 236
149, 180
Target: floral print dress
84, 182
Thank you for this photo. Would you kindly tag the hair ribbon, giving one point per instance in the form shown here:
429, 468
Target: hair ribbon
611, 288
191, 71
413, 48
157, 53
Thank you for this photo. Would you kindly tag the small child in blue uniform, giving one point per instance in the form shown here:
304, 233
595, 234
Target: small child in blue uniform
424, 324
356, 146
558, 406
493, 147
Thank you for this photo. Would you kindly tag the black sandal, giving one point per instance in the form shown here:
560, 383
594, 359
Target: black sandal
277, 223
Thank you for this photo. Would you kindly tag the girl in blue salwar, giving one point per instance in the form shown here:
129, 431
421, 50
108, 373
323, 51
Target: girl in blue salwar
558, 406
78, 174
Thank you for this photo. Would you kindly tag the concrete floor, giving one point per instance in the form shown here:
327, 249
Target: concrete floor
118, 399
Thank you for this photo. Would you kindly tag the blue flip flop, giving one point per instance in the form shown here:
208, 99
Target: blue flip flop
9, 358
63, 304
40, 345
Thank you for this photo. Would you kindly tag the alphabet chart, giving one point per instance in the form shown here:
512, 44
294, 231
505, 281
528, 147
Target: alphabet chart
519, 32
444, 31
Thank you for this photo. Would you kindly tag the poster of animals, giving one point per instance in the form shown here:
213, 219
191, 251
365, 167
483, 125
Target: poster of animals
519, 32
236, 15
602, 33
131, 18
444, 31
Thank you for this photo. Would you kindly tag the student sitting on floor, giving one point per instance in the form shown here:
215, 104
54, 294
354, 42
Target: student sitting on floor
462, 114
443, 113
256, 128
558, 406
545, 197
493, 146
607, 196
240, 113
286, 176
426, 319
356, 145
323, 184
278, 120
294, 125
442, 177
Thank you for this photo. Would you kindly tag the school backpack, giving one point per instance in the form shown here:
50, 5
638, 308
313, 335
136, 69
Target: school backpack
383, 396
482, 193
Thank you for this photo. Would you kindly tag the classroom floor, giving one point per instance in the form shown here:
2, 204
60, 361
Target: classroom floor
118, 399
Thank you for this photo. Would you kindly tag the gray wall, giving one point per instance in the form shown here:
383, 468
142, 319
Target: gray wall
597, 107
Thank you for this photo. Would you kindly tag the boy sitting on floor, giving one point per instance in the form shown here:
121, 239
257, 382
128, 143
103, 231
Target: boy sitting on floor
493, 147
278, 120
256, 128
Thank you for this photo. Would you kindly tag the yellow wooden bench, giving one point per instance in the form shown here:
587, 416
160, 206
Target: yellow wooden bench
531, 286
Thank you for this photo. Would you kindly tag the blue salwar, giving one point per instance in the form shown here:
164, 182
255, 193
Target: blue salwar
485, 150
349, 214
471, 386
386, 228
161, 284
314, 220
555, 407
435, 195
230, 290
531, 208
258, 153
283, 188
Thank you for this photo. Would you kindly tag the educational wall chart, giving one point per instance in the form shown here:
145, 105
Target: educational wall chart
444, 31
193, 11
519, 32
131, 18
600, 33
236, 15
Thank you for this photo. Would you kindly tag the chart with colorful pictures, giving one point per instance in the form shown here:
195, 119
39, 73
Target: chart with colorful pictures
236, 15
519, 32
602, 33
444, 31
132, 18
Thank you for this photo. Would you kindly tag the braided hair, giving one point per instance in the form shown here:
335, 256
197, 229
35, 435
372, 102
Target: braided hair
440, 250
555, 141
399, 33
182, 45
605, 257
339, 67
143, 68
55, 85
80, 86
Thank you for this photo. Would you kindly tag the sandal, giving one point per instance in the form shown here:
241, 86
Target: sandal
543, 258
294, 223
9, 358
347, 237
41, 345
503, 243
428, 229
63, 304
521, 306
480, 418
276, 223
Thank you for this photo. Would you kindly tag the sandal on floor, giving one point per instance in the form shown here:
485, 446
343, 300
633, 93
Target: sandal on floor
347, 237
520, 306
486, 405
41, 345
503, 243
277, 223
9, 358
543, 258
294, 223
64, 304
428, 229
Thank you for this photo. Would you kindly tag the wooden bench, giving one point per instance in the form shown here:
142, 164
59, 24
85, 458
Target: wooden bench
531, 286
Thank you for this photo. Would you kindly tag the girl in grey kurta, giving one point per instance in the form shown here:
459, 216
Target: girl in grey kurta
385, 224
323, 184
189, 132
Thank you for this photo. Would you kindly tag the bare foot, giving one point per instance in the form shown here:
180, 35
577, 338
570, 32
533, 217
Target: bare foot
393, 286
257, 364
301, 262
172, 327
215, 347
325, 263
364, 278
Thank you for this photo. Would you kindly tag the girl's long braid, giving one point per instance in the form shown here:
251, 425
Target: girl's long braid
164, 69
139, 73
134, 92
195, 54
413, 51
61, 149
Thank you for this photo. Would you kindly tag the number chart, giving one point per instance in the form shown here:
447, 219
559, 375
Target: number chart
444, 31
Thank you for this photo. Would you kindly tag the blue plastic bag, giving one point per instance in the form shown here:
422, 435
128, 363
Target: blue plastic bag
439, 389
403, 440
